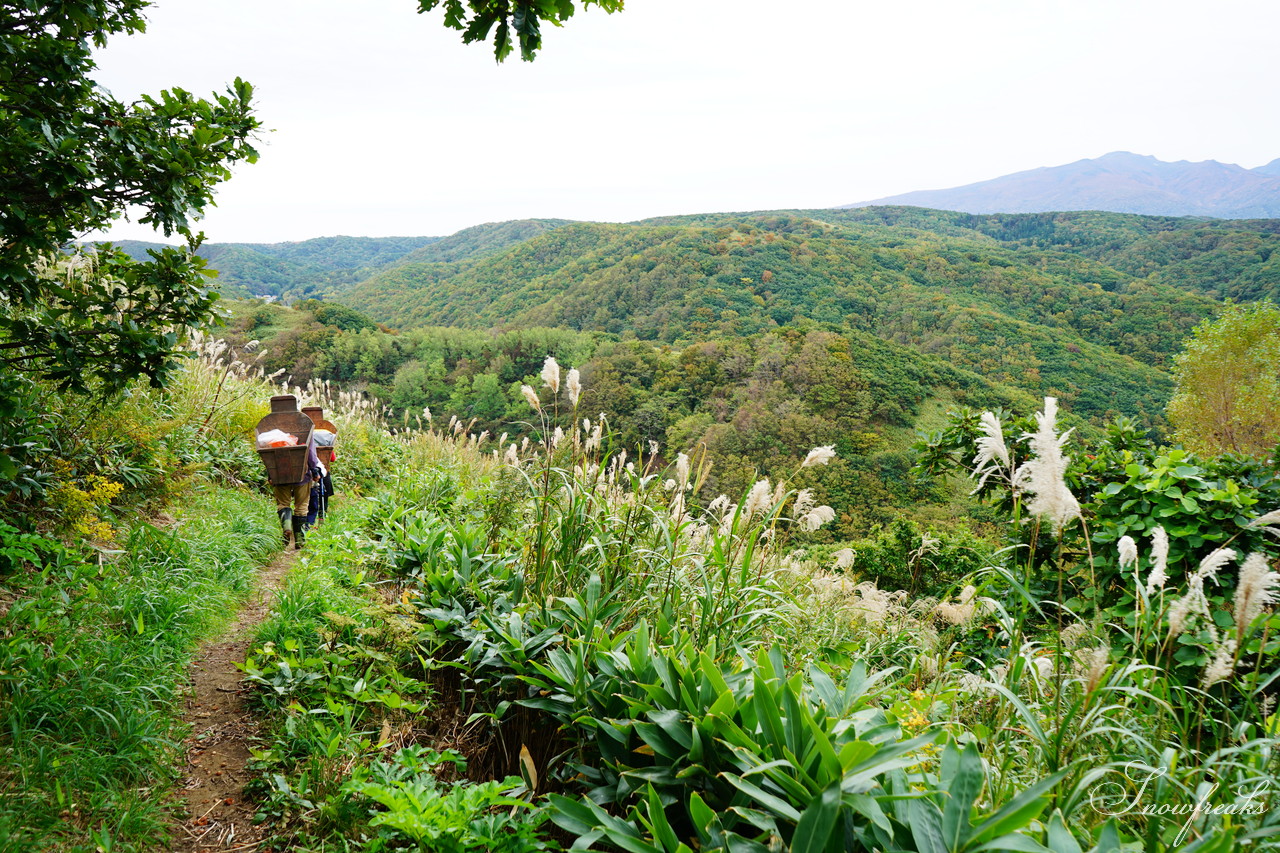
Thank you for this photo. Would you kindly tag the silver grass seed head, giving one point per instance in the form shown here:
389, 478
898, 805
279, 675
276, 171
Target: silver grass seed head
1179, 614
1213, 563
1222, 666
1159, 575
1128, 552
1044, 474
551, 374
1095, 663
817, 517
682, 470
1255, 590
758, 499
992, 453
1272, 517
574, 386
819, 456
804, 502
531, 397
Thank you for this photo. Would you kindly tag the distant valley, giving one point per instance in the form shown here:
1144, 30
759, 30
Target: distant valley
759, 335
1090, 307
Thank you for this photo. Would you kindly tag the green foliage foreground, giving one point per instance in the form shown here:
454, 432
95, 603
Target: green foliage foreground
93, 656
660, 677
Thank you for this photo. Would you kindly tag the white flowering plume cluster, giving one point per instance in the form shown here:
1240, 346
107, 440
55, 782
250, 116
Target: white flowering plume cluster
550, 376
819, 456
218, 355
964, 608
993, 455
1256, 588
1044, 475
1269, 523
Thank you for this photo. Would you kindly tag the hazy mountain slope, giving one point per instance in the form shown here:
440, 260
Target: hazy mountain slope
343, 252
1120, 182
1272, 168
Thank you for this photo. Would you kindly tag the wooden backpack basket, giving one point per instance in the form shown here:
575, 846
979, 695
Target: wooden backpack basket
286, 466
316, 413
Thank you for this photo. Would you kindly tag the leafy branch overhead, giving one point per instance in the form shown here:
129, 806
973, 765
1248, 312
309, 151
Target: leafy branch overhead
73, 159
478, 18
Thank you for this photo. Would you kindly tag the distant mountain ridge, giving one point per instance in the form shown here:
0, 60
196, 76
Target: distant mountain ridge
1119, 182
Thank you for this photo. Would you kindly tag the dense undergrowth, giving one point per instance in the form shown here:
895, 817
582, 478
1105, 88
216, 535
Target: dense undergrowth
130, 527
554, 643
93, 655
645, 675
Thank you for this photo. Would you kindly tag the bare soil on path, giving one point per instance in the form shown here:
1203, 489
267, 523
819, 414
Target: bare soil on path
215, 816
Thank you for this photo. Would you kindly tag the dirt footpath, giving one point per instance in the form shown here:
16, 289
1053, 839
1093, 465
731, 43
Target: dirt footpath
217, 752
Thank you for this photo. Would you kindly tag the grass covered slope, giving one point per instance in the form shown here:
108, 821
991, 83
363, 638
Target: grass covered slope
130, 529
93, 658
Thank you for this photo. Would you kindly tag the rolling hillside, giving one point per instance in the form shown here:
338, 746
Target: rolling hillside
1089, 307
295, 269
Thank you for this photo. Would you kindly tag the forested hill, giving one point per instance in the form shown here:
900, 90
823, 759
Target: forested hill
298, 269
1089, 306
480, 240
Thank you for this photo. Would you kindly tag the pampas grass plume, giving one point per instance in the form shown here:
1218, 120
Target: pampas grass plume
531, 396
551, 374
574, 385
1159, 560
819, 456
1255, 590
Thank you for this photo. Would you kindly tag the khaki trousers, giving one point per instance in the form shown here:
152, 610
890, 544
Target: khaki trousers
299, 496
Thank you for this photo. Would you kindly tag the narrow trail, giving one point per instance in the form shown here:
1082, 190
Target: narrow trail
217, 751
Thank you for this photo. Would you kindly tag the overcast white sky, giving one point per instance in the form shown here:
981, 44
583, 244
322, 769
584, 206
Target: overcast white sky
382, 123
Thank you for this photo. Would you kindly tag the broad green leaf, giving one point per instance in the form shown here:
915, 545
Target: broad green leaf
1059, 836
964, 789
701, 813
1108, 839
1016, 842
775, 804
926, 827
819, 819
1018, 812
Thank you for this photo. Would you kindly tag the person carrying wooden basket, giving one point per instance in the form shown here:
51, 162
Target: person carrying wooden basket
287, 447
